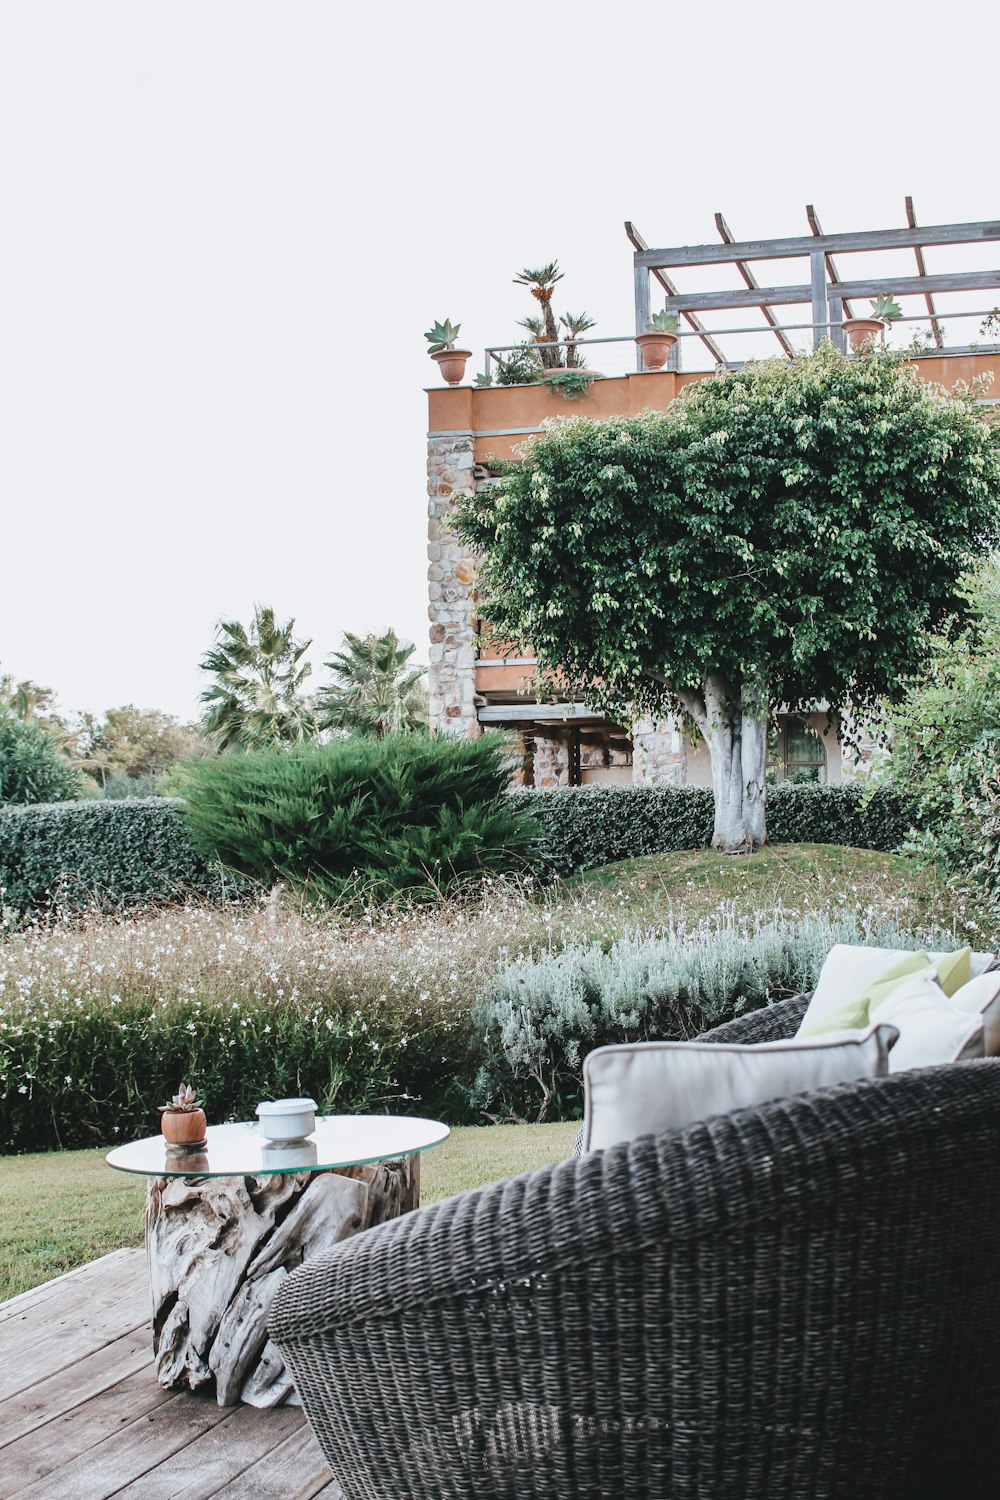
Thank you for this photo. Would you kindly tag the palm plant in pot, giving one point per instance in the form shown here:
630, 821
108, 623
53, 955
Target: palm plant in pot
541, 282
863, 332
450, 361
576, 325
658, 340
182, 1119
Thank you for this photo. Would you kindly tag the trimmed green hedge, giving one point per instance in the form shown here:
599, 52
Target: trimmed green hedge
584, 827
110, 855
103, 855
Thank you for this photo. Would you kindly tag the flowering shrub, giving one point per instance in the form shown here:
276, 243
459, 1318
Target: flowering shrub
543, 1015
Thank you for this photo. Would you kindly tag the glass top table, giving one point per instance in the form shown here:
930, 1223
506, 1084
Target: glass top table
240, 1150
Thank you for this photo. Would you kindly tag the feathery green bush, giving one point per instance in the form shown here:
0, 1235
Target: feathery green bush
361, 819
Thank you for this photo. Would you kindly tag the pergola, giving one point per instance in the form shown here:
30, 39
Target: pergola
828, 293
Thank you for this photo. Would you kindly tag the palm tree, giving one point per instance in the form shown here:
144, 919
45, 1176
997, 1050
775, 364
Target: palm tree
374, 692
575, 324
542, 283
256, 699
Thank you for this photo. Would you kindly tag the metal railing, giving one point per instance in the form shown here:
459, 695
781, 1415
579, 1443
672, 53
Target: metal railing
763, 334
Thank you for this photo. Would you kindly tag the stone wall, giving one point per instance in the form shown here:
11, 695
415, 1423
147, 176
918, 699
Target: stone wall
451, 590
658, 753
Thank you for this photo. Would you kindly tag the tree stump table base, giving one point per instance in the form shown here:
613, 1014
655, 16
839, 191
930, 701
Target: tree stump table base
218, 1249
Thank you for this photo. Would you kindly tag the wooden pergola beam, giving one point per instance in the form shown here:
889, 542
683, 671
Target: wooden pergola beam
911, 219
899, 286
831, 265
831, 244
728, 238
692, 319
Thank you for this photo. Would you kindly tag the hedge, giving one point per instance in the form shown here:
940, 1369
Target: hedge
110, 855
584, 827
103, 855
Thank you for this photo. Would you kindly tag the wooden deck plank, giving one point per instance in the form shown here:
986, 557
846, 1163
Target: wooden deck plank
218, 1457
40, 1453
27, 1411
296, 1470
136, 1450
34, 1350
116, 1261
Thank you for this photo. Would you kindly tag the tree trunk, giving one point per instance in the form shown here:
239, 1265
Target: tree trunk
733, 723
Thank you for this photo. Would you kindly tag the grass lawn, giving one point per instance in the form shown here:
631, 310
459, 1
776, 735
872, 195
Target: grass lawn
816, 877
60, 1209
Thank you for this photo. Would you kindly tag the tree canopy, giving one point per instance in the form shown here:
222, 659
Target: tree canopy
256, 699
783, 533
375, 690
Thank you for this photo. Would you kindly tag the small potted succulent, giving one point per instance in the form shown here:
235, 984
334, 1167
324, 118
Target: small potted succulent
450, 361
182, 1119
658, 340
862, 332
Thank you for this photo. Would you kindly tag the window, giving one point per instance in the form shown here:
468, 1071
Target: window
795, 752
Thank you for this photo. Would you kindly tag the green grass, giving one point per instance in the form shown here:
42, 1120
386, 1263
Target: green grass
60, 1209
696, 882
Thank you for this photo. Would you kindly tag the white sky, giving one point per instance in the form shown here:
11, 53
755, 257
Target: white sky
228, 223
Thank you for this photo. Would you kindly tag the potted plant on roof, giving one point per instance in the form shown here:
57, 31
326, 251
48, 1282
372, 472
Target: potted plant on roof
450, 361
658, 340
576, 325
863, 332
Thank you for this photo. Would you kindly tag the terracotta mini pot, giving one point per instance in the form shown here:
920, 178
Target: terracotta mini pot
183, 1127
451, 363
862, 331
656, 346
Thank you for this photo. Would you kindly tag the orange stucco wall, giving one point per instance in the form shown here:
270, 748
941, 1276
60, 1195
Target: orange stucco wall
497, 415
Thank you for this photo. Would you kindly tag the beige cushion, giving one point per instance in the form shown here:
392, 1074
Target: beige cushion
934, 1028
849, 969
653, 1086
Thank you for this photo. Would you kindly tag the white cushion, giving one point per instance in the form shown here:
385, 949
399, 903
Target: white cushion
932, 1029
848, 969
653, 1086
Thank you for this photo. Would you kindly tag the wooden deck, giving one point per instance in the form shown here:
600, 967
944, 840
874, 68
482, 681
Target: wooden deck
82, 1418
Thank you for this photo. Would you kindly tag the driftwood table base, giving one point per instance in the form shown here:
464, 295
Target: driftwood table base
218, 1249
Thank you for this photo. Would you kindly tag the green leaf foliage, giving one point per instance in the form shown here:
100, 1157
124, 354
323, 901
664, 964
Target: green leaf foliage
256, 699
376, 690
803, 524
102, 855
361, 819
32, 769
585, 827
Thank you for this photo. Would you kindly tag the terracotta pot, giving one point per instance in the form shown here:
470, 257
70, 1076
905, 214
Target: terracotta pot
451, 363
656, 346
862, 331
183, 1128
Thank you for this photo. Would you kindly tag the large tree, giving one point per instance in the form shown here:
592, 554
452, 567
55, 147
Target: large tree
256, 700
376, 690
785, 533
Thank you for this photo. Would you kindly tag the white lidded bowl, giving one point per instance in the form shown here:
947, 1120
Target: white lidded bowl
287, 1119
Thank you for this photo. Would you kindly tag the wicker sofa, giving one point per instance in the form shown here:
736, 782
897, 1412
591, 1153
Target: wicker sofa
798, 1300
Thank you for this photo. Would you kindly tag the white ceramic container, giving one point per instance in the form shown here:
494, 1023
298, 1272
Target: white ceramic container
287, 1119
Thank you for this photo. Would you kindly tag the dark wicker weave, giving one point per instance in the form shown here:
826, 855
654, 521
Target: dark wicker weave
798, 1300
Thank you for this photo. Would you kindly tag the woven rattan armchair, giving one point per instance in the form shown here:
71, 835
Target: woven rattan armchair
798, 1300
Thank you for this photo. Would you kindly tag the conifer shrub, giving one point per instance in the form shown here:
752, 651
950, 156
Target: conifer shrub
362, 820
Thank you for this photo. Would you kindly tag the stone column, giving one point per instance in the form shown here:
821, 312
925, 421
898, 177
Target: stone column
658, 754
451, 590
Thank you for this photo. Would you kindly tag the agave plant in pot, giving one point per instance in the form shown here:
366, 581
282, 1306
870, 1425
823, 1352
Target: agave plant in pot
182, 1118
863, 332
658, 340
451, 361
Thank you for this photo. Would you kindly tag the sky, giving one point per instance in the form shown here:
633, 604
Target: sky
228, 224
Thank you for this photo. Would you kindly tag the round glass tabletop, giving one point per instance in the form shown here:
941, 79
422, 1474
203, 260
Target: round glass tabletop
241, 1151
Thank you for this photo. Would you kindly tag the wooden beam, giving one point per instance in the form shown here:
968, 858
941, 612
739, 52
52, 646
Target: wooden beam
913, 286
776, 295
817, 267
690, 318
830, 244
911, 219
831, 265
728, 238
